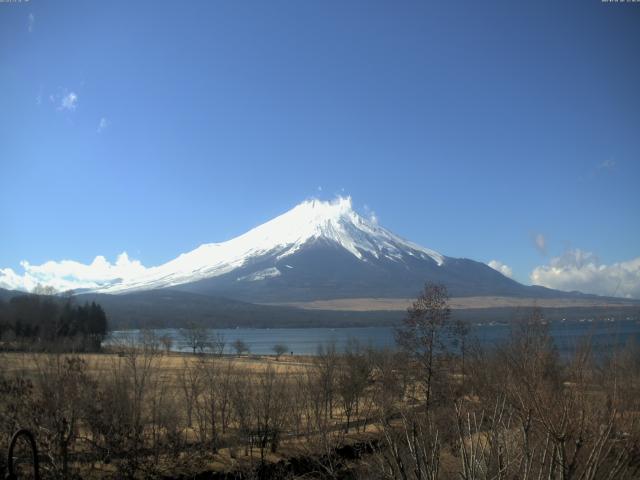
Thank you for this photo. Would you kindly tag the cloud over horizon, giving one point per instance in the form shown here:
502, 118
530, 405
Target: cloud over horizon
501, 267
580, 270
70, 275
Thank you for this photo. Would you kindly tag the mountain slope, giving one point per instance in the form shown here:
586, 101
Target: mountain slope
5, 294
272, 243
323, 270
321, 250
167, 308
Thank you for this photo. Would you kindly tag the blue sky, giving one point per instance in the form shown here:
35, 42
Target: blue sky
472, 128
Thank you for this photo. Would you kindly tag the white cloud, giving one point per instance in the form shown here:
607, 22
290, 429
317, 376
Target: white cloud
12, 281
70, 275
371, 215
102, 125
608, 164
63, 100
69, 101
540, 242
31, 22
579, 270
501, 267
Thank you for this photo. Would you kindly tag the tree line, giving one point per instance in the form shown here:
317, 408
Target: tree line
51, 321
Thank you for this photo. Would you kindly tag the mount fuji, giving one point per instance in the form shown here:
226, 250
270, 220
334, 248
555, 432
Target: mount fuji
320, 250
320, 264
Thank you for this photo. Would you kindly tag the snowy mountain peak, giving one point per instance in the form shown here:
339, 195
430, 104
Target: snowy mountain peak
334, 222
322, 212
313, 218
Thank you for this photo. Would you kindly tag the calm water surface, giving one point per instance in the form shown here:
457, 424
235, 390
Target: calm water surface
605, 336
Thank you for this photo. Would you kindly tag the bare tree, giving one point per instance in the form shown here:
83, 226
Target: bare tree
148, 341
280, 349
411, 449
240, 346
271, 408
426, 334
391, 380
44, 290
326, 362
190, 381
353, 377
218, 344
212, 401
539, 417
118, 414
167, 342
61, 382
196, 337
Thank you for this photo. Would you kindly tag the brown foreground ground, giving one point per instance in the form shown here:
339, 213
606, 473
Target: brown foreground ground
517, 412
199, 398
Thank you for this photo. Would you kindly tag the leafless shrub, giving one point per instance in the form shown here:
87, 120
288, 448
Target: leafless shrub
62, 388
410, 448
353, 378
17, 405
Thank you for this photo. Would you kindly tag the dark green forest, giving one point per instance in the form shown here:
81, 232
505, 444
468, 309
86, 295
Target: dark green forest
42, 321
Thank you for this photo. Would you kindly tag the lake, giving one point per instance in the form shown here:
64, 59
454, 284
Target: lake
606, 336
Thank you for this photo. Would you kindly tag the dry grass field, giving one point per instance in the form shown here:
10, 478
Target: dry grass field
168, 364
189, 394
514, 412
461, 303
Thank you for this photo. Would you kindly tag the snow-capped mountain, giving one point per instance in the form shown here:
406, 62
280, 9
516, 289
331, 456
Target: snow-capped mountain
311, 221
318, 250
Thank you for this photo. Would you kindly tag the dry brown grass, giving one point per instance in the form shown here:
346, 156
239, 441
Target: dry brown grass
25, 362
168, 368
401, 304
